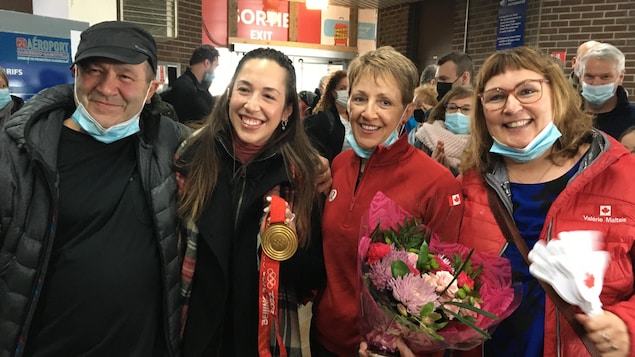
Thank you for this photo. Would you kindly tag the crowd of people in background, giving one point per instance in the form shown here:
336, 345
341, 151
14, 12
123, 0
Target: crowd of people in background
137, 223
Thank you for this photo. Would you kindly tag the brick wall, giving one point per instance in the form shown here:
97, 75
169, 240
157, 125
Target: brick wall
554, 25
551, 25
392, 27
189, 35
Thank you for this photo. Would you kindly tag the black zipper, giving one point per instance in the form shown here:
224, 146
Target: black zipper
43, 266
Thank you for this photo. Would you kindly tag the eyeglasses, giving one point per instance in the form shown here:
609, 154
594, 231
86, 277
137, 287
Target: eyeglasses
527, 92
453, 108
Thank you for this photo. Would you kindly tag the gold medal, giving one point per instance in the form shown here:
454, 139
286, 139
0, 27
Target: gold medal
279, 242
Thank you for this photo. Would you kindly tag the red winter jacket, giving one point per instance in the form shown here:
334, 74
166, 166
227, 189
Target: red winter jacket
414, 181
601, 196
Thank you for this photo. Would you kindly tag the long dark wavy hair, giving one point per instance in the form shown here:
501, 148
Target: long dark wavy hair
202, 153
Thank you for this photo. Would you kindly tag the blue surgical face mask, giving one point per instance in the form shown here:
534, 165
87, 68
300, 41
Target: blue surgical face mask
541, 143
209, 77
457, 123
342, 97
106, 135
365, 153
597, 95
5, 97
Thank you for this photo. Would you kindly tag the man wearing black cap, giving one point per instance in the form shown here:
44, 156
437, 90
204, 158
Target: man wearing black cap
189, 94
88, 245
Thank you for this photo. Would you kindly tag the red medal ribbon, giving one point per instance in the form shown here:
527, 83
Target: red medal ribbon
268, 289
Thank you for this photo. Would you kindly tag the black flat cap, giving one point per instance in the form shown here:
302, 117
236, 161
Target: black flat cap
118, 40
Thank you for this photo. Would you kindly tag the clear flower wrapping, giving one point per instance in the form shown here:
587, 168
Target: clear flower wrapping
434, 295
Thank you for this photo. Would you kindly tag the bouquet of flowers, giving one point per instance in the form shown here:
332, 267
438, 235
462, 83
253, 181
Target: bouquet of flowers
432, 294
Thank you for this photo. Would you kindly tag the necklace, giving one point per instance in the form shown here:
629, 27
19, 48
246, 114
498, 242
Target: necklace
527, 177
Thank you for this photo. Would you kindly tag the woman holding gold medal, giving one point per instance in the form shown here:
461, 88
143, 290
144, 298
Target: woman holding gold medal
245, 272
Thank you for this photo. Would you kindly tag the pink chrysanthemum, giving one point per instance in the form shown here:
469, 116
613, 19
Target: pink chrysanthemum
380, 273
414, 292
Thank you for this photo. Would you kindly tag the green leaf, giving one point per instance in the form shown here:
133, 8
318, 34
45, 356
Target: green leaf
427, 309
407, 236
472, 308
398, 268
424, 256
439, 325
466, 322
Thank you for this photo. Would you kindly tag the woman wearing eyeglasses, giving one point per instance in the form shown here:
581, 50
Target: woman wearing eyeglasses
445, 134
552, 172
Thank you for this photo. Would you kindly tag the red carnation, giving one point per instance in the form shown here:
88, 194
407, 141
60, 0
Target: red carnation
463, 279
377, 251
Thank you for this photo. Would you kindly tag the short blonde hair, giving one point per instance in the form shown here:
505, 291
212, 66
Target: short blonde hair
426, 94
386, 61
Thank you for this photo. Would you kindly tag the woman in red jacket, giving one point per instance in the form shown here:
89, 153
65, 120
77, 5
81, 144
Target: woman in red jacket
532, 145
382, 84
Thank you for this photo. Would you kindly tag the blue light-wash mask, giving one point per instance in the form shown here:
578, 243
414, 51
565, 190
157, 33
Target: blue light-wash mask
597, 95
457, 123
541, 143
365, 153
106, 135
209, 77
5, 97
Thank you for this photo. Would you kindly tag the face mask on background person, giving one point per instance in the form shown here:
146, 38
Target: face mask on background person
443, 88
82, 117
597, 95
457, 123
541, 143
342, 97
419, 115
209, 77
5, 97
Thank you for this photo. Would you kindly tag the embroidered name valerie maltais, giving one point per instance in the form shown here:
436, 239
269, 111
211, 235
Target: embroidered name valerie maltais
605, 216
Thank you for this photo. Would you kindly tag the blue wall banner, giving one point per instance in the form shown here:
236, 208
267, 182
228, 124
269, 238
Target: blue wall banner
34, 62
511, 24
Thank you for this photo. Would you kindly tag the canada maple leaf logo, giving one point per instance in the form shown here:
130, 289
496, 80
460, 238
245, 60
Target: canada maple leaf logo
589, 281
605, 210
454, 200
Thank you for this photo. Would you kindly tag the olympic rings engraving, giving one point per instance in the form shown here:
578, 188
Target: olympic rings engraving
272, 279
